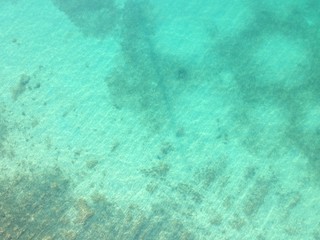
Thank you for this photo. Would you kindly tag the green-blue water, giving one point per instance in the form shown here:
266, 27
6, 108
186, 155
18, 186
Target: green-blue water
159, 120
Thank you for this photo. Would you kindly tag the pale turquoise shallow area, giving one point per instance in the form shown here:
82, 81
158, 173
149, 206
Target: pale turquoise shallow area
136, 119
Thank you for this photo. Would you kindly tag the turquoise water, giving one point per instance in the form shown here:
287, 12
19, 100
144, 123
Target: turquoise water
136, 119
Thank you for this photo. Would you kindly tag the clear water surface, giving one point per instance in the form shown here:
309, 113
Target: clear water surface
147, 120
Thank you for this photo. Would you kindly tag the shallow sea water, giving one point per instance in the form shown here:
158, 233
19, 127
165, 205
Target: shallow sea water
137, 119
